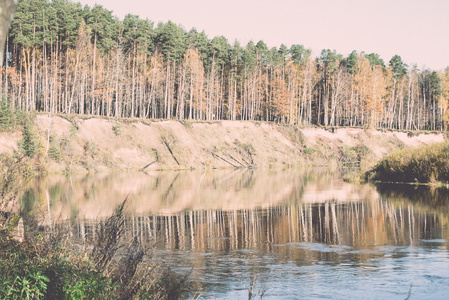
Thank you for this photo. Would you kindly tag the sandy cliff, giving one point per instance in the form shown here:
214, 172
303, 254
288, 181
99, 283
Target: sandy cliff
90, 143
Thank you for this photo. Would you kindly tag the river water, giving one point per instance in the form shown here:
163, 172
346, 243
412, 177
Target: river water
281, 234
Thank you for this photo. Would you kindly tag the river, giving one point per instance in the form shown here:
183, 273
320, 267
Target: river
281, 234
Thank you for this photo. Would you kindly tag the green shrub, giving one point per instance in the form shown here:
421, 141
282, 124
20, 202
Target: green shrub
65, 143
353, 154
40, 272
41, 267
9, 118
423, 164
90, 148
31, 286
54, 153
117, 128
309, 151
30, 142
73, 130
6, 116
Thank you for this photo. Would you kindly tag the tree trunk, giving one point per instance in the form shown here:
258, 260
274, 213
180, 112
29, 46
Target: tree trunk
7, 10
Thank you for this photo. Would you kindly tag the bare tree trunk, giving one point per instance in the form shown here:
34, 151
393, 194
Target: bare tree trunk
93, 76
7, 10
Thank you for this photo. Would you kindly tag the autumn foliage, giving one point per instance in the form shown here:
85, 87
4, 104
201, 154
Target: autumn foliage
66, 58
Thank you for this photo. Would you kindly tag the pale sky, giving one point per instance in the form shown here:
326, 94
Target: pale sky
417, 30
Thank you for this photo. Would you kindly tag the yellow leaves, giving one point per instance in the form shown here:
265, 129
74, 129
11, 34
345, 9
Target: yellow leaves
371, 88
192, 60
193, 64
445, 95
294, 70
194, 72
281, 97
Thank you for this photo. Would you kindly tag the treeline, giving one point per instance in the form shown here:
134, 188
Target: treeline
62, 57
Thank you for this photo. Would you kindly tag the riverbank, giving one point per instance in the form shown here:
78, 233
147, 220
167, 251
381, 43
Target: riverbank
427, 164
76, 143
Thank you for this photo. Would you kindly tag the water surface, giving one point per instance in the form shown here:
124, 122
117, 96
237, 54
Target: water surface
280, 233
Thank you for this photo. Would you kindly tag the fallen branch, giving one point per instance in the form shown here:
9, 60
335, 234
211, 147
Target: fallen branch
250, 157
230, 156
249, 164
148, 165
225, 160
169, 149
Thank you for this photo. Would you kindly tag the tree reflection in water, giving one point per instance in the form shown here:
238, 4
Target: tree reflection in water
204, 220
228, 210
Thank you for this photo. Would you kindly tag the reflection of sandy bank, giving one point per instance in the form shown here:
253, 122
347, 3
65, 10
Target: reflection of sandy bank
338, 190
167, 193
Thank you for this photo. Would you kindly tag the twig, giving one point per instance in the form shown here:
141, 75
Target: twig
409, 292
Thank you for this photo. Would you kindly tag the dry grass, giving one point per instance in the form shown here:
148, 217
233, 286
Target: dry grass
425, 164
39, 264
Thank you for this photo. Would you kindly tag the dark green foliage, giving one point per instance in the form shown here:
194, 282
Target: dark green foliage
425, 164
353, 155
35, 271
10, 119
90, 148
106, 66
103, 25
398, 67
218, 52
54, 153
351, 62
117, 128
172, 40
283, 51
30, 142
249, 57
6, 116
139, 34
198, 40
375, 60
41, 268
65, 18
22, 25
431, 86
299, 54
329, 61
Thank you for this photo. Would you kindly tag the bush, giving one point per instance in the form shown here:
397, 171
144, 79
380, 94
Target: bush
40, 267
90, 148
33, 271
117, 128
30, 142
6, 116
423, 164
54, 153
10, 119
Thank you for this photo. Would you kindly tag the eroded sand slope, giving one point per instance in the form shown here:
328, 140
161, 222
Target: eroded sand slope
93, 144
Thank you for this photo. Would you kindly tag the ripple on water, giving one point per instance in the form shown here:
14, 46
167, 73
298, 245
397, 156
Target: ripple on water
435, 241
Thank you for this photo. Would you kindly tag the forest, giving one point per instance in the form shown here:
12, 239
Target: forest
62, 57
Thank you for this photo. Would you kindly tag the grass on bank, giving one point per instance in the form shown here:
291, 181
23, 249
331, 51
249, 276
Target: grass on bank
426, 164
37, 264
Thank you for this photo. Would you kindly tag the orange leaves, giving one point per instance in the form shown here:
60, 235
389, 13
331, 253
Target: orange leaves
370, 87
281, 97
13, 76
445, 95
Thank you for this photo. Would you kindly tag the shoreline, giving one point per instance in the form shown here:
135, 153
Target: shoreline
78, 143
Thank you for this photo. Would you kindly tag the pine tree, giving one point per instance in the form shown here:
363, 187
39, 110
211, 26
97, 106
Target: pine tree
29, 143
